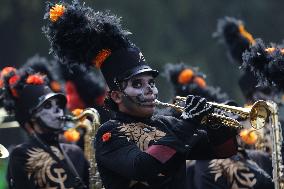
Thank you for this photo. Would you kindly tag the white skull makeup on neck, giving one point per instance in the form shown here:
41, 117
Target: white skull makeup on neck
47, 115
140, 93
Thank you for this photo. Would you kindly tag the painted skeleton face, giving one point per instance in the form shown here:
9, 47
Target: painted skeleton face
140, 94
49, 112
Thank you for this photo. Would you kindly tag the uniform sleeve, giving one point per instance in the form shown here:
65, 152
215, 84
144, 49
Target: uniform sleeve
117, 153
203, 142
17, 175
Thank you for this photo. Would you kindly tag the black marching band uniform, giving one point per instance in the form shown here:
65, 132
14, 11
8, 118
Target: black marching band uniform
133, 152
40, 162
248, 168
241, 170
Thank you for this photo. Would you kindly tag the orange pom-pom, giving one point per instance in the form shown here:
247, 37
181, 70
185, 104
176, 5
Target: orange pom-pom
56, 12
72, 135
101, 57
270, 50
249, 136
246, 34
55, 86
200, 82
185, 76
5, 71
13, 80
106, 137
1, 83
35, 79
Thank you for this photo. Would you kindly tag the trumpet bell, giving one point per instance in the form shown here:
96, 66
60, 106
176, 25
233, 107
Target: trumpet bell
3, 152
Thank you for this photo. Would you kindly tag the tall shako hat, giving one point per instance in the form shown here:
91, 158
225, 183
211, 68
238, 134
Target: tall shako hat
188, 80
39, 64
25, 92
232, 32
79, 35
267, 63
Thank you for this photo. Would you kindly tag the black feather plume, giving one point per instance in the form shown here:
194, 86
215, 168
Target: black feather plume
81, 33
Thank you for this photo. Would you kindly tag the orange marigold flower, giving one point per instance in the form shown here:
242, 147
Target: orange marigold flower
101, 57
249, 136
185, 76
270, 50
77, 112
56, 12
106, 137
71, 135
246, 34
200, 82
14, 79
5, 71
55, 86
35, 79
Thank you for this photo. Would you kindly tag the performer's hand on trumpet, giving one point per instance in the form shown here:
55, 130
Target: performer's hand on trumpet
196, 108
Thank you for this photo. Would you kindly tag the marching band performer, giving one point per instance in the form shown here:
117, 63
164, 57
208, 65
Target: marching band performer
135, 149
235, 172
41, 162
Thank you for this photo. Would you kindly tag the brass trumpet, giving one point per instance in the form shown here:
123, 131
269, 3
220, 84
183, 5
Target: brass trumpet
257, 114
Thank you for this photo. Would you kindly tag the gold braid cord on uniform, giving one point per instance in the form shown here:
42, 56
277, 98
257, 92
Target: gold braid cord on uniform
237, 173
41, 168
141, 134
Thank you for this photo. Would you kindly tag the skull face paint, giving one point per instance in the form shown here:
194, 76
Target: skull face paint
142, 90
49, 113
139, 95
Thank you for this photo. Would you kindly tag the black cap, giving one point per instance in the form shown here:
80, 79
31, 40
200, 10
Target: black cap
30, 98
124, 64
23, 93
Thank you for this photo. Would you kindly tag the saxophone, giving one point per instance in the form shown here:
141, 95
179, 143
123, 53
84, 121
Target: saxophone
276, 136
89, 119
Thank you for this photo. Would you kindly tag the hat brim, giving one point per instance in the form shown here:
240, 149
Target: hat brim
44, 98
141, 70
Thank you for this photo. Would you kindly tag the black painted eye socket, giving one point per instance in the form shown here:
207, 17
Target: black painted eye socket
47, 105
152, 83
136, 84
